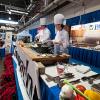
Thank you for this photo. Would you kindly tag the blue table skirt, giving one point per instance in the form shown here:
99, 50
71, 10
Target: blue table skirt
19, 94
2, 52
90, 57
53, 92
49, 93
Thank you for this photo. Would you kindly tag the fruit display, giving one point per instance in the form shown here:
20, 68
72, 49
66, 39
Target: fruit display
92, 95
81, 88
66, 92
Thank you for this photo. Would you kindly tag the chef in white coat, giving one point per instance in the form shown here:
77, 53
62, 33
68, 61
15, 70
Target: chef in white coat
43, 33
61, 41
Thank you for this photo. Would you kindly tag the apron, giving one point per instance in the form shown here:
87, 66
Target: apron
60, 37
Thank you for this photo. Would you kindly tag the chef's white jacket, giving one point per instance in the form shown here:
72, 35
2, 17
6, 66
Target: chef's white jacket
43, 35
62, 37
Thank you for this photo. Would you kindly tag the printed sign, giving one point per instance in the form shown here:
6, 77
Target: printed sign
89, 33
8, 39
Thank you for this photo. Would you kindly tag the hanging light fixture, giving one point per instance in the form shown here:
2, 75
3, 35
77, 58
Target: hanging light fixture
9, 12
17, 11
9, 18
8, 22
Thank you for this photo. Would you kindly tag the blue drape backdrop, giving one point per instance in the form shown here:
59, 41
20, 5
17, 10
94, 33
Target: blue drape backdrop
33, 32
51, 27
83, 19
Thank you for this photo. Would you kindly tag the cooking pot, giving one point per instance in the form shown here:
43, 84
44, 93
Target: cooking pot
42, 50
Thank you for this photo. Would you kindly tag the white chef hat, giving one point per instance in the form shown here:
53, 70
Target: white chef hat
42, 21
58, 19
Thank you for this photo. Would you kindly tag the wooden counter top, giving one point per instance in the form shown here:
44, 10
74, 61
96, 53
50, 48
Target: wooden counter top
48, 58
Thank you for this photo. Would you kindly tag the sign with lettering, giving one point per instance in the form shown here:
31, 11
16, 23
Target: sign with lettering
86, 33
8, 39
